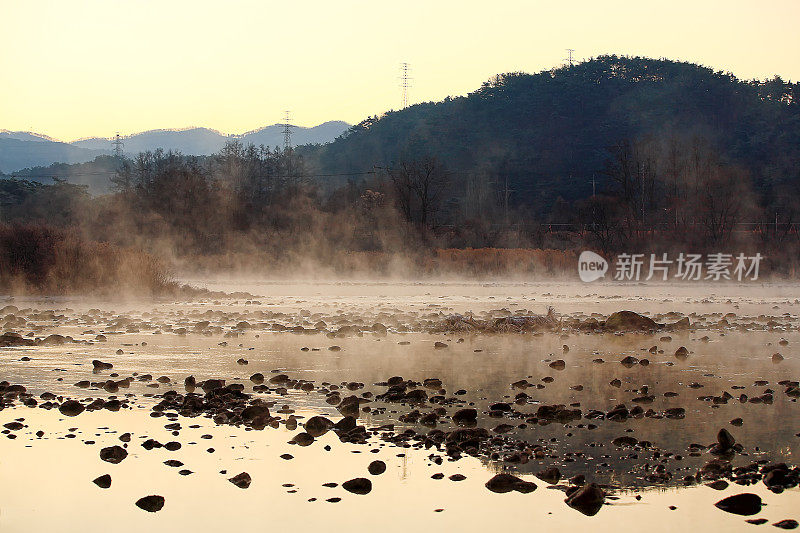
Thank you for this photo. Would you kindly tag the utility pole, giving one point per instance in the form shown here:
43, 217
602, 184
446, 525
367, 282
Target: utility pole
405, 83
117, 144
506, 196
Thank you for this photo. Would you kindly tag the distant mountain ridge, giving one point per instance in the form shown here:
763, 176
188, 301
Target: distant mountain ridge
24, 149
16, 154
25, 136
204, 141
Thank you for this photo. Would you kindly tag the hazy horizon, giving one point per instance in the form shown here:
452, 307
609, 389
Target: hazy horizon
176, 129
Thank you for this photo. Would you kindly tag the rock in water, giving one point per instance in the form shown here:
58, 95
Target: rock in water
376, 468
113, 454
349, 406
550, 475
502, 483
303, 439
151, 504
103, 481
100, 365
465, 416
359, 485
681, 325
254, 412
316, 426
744, 504
630, 321
587, 499
241, 480
71, 408
725, 439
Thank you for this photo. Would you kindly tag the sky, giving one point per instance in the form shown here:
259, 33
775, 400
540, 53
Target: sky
78, 68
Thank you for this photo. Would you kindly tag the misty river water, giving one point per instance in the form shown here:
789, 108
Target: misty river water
388, 329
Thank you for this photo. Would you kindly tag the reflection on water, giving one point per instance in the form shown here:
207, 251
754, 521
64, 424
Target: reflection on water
56, 470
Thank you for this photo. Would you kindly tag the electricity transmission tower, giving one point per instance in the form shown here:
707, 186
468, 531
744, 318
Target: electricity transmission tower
287, 132
405, 82
117, 144
569, 59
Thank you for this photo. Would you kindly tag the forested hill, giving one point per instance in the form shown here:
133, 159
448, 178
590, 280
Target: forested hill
548, 133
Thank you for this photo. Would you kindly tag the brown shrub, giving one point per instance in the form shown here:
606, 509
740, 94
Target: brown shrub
46, 260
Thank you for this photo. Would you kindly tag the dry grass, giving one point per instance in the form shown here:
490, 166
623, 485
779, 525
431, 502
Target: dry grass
46, 260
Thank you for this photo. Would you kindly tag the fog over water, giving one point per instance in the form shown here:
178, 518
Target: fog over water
305, 330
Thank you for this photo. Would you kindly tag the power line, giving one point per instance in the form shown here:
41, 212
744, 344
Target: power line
26, 176
82, 174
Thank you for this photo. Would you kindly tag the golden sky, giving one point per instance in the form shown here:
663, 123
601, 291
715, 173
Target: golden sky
78, 68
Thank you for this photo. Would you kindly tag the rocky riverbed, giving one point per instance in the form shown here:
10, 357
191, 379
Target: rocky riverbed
461, 406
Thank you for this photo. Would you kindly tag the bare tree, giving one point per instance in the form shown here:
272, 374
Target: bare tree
419, 187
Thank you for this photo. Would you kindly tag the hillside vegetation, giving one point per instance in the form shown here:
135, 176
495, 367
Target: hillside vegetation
682, 158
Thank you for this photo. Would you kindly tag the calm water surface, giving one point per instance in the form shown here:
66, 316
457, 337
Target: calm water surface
47, 481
